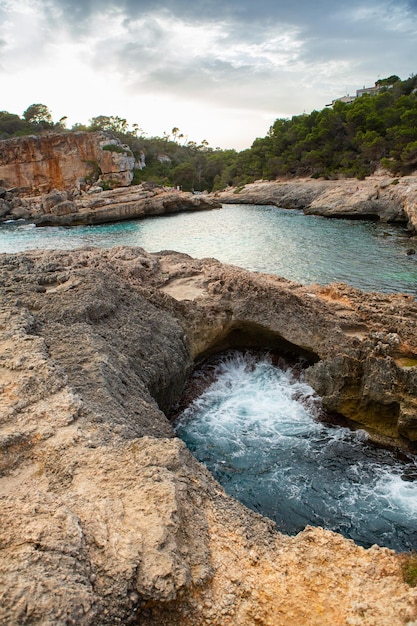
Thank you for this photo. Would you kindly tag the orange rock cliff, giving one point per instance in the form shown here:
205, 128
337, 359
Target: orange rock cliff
38, 164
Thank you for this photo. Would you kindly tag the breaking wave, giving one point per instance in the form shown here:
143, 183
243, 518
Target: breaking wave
259, 429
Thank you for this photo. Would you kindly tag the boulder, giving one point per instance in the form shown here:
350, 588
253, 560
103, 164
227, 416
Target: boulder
64, 208
54, 198
20, 213
5, 207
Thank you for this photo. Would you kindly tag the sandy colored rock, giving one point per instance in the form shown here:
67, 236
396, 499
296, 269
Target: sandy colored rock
106, 517
377, 197
62, 208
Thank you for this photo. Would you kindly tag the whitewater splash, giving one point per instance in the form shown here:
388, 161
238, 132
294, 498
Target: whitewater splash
258, 429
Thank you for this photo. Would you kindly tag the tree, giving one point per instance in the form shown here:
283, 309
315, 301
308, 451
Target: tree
38, 114
11, 124
385, 82
109, 122
184, 175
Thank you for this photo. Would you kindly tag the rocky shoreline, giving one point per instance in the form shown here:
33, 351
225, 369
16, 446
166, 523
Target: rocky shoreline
106, 516
378, 197
72, 208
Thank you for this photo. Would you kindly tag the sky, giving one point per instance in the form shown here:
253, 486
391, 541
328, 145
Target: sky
218, 70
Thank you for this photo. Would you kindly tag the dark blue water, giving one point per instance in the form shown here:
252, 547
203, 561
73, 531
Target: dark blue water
303, 248
256, 428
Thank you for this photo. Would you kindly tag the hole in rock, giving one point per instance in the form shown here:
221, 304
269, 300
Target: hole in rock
244, 335
251, 418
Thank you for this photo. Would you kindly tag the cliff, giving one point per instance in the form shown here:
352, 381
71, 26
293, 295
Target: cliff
39, 164
375, 198
106, 517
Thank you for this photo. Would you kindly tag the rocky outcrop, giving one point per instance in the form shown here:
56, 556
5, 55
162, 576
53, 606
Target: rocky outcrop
376, 198
106, 518
135, 202
63, 161
63, 208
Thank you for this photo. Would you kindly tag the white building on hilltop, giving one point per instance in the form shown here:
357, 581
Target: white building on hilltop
372, 91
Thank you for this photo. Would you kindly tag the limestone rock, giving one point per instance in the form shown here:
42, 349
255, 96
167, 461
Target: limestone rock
116, 166
379, 198
19, 212
64, 208
5, 207
98, 206
39, 164
54, 198
106, 517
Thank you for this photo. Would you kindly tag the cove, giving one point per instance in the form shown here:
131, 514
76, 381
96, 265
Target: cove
303, 248
260, 429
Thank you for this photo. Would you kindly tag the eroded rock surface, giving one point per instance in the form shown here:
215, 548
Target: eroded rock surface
106, 517
69, 208
377, 197
41, 163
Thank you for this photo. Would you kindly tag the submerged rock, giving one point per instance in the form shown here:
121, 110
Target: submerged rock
106, 516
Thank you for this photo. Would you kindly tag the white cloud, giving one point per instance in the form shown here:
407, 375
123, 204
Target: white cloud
219, 70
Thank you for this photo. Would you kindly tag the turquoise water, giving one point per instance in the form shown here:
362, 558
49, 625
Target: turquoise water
256, 428
303, 248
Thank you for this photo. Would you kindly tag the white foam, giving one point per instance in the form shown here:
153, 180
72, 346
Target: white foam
255, 426
399, 494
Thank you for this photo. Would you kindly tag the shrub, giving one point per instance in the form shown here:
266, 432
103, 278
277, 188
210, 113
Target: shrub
409, 568
112, 147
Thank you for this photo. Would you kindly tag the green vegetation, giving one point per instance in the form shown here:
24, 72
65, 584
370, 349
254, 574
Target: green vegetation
38, 115
112, 147
409, 568
346, 140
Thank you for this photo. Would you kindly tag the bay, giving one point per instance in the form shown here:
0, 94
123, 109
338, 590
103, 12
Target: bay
306, 249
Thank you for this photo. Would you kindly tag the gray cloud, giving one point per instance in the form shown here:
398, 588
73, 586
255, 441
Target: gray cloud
271, 56
304, 13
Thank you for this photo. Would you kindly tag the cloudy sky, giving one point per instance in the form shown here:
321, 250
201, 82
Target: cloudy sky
220, 70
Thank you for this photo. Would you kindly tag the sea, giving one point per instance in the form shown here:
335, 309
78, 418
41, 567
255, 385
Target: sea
258, 426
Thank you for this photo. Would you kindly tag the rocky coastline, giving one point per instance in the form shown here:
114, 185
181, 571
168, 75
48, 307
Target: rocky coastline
74, 178
96, 206
379, 197
106, 517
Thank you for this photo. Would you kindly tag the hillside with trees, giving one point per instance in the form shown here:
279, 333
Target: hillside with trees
345, 140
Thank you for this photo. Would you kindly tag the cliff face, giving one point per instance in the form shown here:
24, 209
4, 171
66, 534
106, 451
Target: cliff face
38, 164
106, 517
